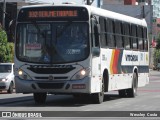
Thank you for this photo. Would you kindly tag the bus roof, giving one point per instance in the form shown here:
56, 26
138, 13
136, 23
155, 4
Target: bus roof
117, 16
101, 12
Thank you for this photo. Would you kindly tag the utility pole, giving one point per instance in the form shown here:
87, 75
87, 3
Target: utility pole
4, 13
143, 11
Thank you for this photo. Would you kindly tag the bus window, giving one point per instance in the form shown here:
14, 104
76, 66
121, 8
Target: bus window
145, 39
146, 45
140, 38
95, 35
107, 36
118, 35
126, 36
33, 37
103, 32
111, 40
122, 33
134, 37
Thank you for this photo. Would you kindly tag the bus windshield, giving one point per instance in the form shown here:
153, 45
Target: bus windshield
58, 42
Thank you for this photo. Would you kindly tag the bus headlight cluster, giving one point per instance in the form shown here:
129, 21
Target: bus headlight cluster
20, 72
23, 75
81, 74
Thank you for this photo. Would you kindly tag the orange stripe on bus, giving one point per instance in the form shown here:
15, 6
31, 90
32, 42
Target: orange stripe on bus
112, 58
115, 62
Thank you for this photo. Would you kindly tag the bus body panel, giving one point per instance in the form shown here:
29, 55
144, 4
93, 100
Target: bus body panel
123, 64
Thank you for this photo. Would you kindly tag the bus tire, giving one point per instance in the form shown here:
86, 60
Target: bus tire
132, 92
99, 97
10, 90
39, 98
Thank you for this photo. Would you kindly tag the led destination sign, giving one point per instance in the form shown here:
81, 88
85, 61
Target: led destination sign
42, 14
53, 13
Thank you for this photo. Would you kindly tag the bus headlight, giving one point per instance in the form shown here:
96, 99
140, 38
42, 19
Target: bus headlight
81, 74
23, 75
20, 72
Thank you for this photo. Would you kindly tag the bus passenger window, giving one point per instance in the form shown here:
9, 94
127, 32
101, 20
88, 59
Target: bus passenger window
127, 41
134, 37
103, 32
106, 25
111, 40
118, 35
140, 38
146, 45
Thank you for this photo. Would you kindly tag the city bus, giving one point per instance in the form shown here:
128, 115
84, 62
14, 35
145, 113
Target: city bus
79, 50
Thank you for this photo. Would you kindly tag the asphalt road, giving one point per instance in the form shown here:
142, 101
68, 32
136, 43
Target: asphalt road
145, 105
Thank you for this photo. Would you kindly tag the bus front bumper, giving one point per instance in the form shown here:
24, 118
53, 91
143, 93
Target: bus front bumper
66, 86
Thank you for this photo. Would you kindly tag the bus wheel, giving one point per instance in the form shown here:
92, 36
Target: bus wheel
99, 97
132, 92
10, 90
122, 93
40, 98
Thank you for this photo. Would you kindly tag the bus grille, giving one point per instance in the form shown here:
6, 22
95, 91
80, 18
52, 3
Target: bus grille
51, 70
54, 78
50, 85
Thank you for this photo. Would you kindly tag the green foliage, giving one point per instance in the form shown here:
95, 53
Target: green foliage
10, 52
6, 49
157, 52
156, 56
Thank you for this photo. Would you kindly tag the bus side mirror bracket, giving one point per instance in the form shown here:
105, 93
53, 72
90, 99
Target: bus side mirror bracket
96, 51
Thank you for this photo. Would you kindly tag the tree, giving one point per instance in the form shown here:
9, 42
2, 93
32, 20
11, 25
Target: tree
157, 52
6, 49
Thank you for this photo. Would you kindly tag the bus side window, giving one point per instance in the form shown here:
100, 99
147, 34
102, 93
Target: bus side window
122, 33
140, 38
145, 39
95, 32
118, 34
134, 37
127, 41
106, 26
103, 32
110, 38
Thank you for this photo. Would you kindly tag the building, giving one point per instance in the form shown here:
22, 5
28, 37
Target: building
156, 17
139, 9
12, 8
156, 8
113, 2
127, 2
